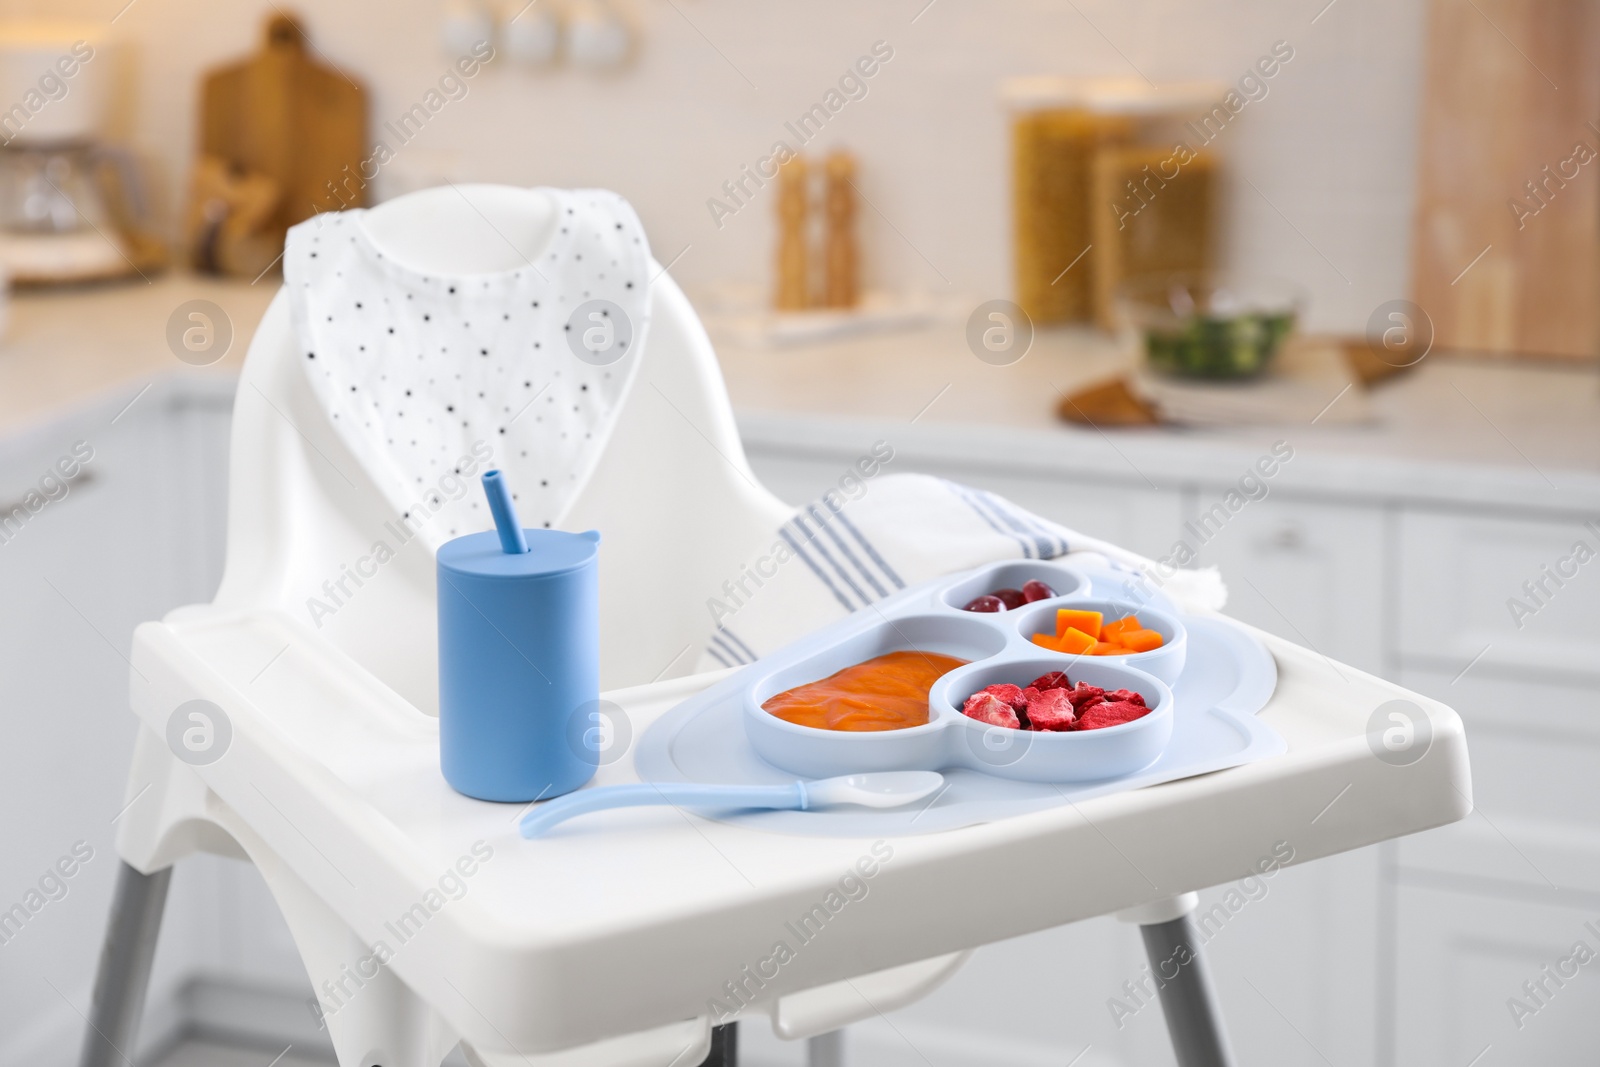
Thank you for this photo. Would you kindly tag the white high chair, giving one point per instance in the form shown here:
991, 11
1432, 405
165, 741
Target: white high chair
607, 949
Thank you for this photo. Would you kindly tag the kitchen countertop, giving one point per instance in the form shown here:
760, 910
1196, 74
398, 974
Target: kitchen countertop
1454, 429
63, 347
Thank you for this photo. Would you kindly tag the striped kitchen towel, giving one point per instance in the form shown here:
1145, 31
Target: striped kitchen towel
840, 554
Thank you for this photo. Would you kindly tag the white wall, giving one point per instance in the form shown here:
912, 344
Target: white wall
1331, 147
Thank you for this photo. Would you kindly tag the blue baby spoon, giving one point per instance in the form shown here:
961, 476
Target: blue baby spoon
878, 789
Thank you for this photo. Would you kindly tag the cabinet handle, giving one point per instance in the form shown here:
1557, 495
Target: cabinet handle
83, 477
1288, 539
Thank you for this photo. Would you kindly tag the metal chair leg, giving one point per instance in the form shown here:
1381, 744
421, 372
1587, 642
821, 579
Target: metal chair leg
1187, 998
825, 1050
724, 1047
124, 977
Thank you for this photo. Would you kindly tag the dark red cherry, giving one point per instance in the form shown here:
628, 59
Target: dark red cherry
1011, 598
1036, 590
985, 603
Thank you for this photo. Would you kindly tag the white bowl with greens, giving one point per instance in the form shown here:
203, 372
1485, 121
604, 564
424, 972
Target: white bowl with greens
1215, 327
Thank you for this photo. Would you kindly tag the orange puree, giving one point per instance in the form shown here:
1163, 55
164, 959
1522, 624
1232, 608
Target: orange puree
885, 693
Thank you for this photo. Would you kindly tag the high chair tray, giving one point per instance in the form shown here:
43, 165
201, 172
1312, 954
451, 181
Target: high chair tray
332, 779
1221, 676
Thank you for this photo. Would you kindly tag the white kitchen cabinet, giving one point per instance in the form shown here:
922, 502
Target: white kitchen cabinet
75, 579
1535, 743
1463, 961
1460, 577
1485, 904
1296, 967
136, 534
1308, 571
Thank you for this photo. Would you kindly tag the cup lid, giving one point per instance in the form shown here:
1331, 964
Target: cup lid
550, 552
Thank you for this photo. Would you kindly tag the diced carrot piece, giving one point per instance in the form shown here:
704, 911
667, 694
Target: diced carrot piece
1106, 648
1073, 618
1045, 641
1075, 642
1112, 631
1142, 640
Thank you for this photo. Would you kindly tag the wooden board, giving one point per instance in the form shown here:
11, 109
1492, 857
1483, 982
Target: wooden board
1513, 87
285, 121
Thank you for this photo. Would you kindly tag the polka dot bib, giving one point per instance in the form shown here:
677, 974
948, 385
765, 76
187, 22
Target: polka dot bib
430, 379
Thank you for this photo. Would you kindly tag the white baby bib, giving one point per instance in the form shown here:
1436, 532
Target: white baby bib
430, 379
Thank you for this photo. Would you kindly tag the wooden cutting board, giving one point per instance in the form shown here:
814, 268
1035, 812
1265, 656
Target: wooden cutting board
1512, 87
283, 120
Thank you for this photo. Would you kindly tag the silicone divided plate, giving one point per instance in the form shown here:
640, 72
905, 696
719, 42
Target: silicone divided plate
1226, 677
998, 649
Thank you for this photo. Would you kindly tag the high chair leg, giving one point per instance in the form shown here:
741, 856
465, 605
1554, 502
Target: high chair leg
1188, 999
724, 1047
825, 1050
124, 975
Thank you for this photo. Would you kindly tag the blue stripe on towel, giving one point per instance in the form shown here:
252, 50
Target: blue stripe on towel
750, 655
815, 541
866, 545
783, 532
1028, 522
734, 654
1054, 533
966, 495
1008, 516
844, 550
711, 647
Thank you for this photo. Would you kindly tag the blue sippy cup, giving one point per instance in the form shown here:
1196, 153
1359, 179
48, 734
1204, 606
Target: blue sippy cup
519, 657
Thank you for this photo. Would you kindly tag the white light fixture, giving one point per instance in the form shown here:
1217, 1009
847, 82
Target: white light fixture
530, 33
598, 38
464, 26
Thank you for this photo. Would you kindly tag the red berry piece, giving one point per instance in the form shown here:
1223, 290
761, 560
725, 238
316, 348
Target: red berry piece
1053, 680
1011, 598
1085, 695
1036, 590
986, 602
986, 707
1051, 710
1126, 694
1011, 694
1113, 713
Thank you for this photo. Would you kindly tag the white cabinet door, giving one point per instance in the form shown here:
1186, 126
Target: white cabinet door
131, 538
1466, 966
1535, 744
1462, 579
1297, 964
1311, 573
76, 576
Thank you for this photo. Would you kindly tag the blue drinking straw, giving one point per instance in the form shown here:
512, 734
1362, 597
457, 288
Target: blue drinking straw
505, 515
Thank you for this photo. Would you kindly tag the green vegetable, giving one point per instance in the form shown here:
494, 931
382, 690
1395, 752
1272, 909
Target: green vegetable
1218, 346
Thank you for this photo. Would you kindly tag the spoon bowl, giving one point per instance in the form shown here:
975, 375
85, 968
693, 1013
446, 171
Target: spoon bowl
875, 789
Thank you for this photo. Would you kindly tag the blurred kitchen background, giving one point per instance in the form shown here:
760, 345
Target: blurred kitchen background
1380, 251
